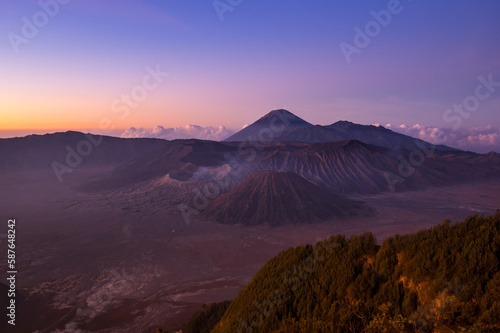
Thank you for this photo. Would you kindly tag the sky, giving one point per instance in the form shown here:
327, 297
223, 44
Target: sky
215, 66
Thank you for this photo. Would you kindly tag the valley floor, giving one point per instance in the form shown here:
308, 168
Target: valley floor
90, 263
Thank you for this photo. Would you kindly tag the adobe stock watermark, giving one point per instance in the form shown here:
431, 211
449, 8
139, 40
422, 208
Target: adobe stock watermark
121, 106
248, 150
460, 111
372, 29
416, 158
139, 93
105, 294
223, 6
31, 26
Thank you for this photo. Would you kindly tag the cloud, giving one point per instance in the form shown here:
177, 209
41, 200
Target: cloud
478, 139
187, 132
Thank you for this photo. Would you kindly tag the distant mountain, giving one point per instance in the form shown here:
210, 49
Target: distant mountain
378, 135
38, 152
180, 160
342, 167
293, 128
313, 134
278, 198
270, 127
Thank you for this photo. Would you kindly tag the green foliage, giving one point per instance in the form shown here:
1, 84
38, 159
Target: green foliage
204, 321
443, 279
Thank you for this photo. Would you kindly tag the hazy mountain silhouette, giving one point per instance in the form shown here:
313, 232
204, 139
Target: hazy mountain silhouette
35, 152
282, 125
378, 135
341, 167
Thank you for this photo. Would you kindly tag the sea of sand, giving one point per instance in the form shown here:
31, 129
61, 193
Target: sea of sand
90, 262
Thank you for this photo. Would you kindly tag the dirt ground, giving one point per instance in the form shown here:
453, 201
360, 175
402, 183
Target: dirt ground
87, 262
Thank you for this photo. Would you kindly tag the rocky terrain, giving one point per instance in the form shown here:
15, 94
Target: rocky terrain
280, 198
132, 234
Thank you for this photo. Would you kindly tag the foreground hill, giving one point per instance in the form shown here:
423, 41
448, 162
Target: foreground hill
445, 279
278, 198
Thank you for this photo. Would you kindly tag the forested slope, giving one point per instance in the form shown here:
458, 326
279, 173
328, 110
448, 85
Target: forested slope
446, 279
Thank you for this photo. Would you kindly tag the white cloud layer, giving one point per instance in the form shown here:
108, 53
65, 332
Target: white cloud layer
477, 139
187, 132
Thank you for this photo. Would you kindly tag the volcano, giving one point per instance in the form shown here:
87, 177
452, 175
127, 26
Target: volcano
278, 198
284, 126
271, 127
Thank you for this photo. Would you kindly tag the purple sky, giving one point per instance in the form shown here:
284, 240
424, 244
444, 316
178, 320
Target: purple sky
410, 67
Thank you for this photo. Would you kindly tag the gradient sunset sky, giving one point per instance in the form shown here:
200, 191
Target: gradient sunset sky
263, 55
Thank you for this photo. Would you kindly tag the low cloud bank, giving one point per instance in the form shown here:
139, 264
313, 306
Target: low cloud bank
187, 132
477, 139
